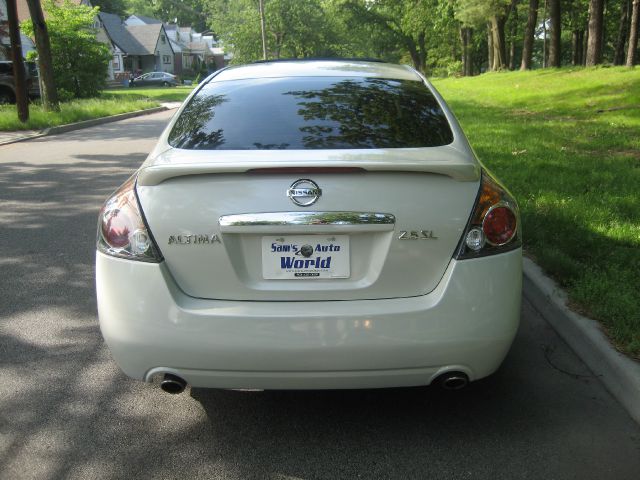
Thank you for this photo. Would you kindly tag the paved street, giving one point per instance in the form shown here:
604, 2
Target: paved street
66, 411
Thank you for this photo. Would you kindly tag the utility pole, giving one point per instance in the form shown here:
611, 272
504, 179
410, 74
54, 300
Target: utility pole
19, 78
262, 27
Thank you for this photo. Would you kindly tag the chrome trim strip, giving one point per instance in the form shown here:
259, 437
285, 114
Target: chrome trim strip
306, 218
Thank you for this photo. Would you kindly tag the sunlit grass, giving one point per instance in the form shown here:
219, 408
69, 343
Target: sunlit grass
567, 143
110, 102
165, 94
70, 112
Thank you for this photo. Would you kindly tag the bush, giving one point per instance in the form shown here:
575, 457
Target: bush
80, 61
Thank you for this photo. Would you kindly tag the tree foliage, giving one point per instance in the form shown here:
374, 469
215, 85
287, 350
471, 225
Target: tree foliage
118, 7
436, 36
80, 61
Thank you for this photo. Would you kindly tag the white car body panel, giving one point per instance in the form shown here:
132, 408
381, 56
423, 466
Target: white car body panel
466, 324
382, 266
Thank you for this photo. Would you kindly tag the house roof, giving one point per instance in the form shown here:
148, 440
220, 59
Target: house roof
146, 37
131, 39
147, 20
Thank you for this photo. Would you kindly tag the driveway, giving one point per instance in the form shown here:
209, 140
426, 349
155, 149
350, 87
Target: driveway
66, 411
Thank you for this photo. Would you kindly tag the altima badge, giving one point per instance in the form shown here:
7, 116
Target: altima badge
193, 239
417, 235
304, 192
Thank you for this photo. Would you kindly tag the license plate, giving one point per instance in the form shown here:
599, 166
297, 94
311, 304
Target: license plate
303, 257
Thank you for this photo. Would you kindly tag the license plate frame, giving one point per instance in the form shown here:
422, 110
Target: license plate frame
305, 257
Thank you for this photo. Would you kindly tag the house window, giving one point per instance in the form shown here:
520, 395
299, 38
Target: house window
166, 58
163, 39
116, 62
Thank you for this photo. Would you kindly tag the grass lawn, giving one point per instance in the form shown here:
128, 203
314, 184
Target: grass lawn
111, 102
161, 94
567, 144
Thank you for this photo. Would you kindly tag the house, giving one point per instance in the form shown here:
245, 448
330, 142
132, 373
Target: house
192, 49
136, 48
140, 44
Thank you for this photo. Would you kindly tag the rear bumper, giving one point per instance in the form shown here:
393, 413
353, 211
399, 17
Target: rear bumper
466, 324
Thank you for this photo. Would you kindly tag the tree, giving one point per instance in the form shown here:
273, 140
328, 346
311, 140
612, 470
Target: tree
556, 25
623, 31
466, 36
40, 31
496, 13
22, 102
409, 22
576, 21
293, 28
529, 33
118, 7
594, 46
81, 61
184, 12
633, 34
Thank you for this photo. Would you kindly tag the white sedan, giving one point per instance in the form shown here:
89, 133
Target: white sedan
310, 225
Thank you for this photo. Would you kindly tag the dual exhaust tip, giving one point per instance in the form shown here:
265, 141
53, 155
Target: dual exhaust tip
452, 380
174, 385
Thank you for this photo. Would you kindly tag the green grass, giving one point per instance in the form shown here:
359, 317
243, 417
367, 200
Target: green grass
567, 144
110, 102
163, 94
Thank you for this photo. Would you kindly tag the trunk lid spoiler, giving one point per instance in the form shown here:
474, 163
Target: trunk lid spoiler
447, 160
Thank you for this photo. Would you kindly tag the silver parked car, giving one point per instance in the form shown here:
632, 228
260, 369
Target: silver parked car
155, 78
310, 225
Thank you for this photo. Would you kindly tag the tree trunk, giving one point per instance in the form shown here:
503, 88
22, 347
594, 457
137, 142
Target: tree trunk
585, 44
554, 44
577, 40
529, 33
464, 40
262, 29
49, 93
417, 57
422, 51
512, 43
544, 35
623, 30
499, 54
633, 34
489, 47
468, 68
19, 80
594, 45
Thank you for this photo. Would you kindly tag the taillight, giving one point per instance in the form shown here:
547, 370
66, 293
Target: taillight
121, 228
494, 225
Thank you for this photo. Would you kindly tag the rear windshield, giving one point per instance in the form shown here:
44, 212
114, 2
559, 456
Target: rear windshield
311, 113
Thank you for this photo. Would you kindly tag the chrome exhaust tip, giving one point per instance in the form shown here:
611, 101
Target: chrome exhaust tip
173, 384
453, 380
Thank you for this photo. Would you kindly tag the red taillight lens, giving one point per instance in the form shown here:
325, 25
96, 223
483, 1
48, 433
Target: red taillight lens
499, 225
494, 224
121, 229
117, 226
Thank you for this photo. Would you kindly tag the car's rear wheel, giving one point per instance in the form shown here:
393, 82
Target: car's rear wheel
165, 84
6, 96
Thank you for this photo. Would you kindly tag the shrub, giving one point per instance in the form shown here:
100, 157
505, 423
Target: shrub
80, 61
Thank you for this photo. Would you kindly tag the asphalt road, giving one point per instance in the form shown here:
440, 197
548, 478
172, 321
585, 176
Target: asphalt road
66, 411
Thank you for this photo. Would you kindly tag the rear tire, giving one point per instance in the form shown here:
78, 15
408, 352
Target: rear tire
6, 96
165, 84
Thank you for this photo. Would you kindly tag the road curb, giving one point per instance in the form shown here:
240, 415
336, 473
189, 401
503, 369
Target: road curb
619, 374
84, 124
